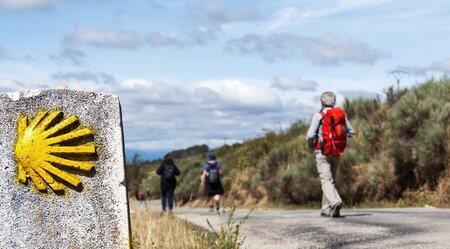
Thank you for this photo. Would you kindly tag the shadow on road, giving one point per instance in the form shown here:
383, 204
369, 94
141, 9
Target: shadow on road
355, 215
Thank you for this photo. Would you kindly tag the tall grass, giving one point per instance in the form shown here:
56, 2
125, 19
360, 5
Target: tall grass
155, 230
229, 237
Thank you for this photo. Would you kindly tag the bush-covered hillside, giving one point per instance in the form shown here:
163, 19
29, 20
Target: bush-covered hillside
399, 154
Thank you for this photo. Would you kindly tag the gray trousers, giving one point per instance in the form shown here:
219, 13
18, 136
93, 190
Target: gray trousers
327, 168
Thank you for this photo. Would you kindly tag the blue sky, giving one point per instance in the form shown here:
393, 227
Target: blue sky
193, 72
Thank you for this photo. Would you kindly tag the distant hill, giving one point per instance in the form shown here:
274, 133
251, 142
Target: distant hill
156, 155
144, 155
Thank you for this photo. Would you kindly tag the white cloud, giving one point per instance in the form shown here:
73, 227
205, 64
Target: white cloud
159, 40
10, 85
192, 36
292, 16
3, 54
211, 95
27, 4
239, 95
415, 70
158, 115
152, 93
286, 83
285, 16
166, 3
440, 66
352, 94
88, 76
218, 13
103, 38
329, 49
69, 54
206, 24
194, 113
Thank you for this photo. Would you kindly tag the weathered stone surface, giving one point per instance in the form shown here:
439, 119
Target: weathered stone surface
92, 216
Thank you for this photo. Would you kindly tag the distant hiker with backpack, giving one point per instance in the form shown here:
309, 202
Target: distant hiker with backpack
212, 171
168, 170
139, 195
327, 136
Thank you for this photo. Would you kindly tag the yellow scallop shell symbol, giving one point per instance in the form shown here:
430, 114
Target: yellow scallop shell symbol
51, 148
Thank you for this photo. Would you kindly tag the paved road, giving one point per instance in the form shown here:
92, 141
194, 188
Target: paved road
361, 228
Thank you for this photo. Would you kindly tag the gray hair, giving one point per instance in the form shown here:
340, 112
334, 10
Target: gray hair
328, 99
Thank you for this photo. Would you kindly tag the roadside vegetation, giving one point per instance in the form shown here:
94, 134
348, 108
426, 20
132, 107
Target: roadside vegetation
151, 229
399, 157
154, 230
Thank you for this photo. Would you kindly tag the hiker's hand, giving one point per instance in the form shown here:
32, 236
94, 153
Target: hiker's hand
311, 142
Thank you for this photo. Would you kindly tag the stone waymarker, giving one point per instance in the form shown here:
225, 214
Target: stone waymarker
62, 180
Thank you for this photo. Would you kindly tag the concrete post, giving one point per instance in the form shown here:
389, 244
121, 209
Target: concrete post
62, 179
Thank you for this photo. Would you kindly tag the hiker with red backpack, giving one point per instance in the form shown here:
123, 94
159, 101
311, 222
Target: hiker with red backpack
327, 136
210, 182
168, 170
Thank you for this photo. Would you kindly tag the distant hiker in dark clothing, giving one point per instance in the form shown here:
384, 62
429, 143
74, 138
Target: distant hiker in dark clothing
139, 195
168, 170
212, 171
327, 136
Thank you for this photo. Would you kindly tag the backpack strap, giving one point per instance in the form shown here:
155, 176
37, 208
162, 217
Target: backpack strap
316, 139
320, 122
212, 165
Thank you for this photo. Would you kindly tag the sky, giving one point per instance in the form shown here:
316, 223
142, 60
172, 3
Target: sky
219, 72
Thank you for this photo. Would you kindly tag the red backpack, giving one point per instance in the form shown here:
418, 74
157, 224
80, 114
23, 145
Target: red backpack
334, 134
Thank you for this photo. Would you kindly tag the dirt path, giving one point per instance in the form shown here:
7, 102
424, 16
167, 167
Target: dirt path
362, 228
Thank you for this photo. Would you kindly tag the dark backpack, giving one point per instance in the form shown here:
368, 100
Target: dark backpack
334, 134
169, 171
213, 173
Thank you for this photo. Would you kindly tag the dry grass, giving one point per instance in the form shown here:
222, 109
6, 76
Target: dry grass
441, 196
152, 229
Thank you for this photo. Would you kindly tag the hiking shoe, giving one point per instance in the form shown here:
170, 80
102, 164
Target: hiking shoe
336, 210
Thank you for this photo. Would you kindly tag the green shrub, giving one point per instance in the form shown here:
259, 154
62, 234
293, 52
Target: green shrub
346, 174
417, 134
360, 107
381, 178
